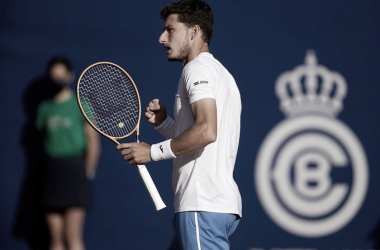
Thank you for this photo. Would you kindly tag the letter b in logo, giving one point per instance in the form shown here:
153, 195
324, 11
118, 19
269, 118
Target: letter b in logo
294, 175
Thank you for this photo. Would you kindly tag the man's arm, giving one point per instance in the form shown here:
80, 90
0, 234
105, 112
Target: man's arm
202, 132
197, 136
155, 113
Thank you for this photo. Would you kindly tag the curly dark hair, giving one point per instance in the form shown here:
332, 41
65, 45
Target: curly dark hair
192, 12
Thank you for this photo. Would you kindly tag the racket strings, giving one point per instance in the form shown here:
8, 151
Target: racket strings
109, 100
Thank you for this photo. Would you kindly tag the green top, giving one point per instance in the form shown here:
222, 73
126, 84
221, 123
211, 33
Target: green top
63, 124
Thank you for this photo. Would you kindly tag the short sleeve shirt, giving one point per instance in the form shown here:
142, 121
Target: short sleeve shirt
203, 180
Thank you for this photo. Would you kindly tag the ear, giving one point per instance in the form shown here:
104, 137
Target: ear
195, 31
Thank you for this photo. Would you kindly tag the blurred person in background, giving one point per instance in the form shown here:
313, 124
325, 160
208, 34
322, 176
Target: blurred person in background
72, 149
29, 223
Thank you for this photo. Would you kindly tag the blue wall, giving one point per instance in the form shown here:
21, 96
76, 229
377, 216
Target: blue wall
256, 40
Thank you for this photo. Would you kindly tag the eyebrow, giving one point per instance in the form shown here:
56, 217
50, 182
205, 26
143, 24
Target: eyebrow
167, 27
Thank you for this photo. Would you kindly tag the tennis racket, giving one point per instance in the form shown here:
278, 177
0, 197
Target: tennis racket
110, 102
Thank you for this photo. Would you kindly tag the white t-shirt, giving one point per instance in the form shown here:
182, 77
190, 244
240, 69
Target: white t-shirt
203, 180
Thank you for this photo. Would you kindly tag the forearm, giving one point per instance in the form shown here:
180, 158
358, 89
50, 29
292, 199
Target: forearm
167, 128
196, 137
201, 133
92, 151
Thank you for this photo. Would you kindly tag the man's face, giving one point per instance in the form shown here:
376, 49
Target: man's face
175, 39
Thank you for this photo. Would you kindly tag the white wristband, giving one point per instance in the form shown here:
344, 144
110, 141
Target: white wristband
161, 151
166, 128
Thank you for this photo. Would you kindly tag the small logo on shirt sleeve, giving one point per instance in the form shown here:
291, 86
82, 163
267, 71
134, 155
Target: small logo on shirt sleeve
200, 82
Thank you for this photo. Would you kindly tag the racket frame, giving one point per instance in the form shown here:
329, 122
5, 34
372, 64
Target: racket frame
147, 179
112, 138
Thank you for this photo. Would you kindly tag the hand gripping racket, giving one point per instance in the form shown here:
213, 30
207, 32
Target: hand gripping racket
110, 102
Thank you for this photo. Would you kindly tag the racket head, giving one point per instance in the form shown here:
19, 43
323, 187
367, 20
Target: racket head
109, 100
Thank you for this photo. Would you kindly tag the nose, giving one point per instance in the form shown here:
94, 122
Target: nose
162, 38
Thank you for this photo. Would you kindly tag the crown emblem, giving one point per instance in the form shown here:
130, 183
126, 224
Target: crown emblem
311, 88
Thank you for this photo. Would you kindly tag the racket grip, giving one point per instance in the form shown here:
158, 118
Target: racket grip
147, 179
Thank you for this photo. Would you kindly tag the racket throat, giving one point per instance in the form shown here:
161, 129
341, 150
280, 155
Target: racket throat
137, 137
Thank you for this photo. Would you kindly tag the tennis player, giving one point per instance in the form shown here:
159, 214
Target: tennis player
203, 140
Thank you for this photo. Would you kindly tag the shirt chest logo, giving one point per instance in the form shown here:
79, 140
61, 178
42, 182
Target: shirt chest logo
59, 122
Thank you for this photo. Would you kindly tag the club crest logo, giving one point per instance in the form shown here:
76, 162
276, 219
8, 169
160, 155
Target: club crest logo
311, 171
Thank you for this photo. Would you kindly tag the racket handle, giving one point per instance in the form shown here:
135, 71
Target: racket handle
151, 187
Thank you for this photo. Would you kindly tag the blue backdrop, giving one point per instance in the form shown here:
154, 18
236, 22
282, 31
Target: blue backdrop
257, 41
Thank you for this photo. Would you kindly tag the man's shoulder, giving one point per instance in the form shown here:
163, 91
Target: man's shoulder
203, 62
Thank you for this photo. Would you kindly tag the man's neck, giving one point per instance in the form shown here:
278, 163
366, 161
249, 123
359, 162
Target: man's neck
193, 53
